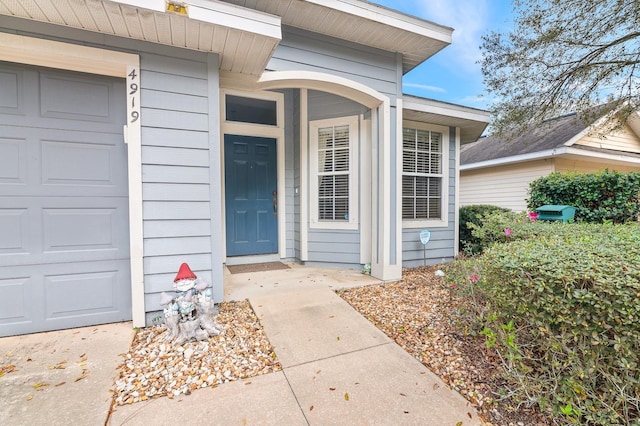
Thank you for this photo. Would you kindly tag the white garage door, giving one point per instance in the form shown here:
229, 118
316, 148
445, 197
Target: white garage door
64, 235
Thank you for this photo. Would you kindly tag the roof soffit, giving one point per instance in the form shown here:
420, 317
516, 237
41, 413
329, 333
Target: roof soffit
245, 39
361, 22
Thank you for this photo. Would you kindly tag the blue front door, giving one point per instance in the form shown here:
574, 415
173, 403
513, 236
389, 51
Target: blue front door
250, 195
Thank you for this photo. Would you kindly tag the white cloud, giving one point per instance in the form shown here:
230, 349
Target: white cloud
425, 87
469, 19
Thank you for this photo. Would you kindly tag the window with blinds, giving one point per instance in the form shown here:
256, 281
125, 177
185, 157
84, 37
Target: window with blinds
333, 173
421, 174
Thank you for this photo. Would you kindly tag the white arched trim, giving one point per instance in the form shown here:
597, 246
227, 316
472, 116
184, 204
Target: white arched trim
382, 229
324, 82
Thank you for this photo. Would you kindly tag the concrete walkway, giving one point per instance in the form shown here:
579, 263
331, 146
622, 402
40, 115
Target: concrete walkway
337, 369
61, 377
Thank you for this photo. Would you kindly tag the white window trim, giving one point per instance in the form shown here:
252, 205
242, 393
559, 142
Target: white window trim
314, 126
443, 222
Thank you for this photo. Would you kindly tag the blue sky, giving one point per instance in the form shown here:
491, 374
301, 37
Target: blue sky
453, 74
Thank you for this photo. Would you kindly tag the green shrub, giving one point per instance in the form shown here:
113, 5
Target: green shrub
606, 196
563, 311
474, 215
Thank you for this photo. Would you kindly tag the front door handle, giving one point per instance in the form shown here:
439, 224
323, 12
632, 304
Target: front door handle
275, 203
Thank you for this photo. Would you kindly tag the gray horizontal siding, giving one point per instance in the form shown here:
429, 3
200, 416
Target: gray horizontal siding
171, 137
171, 264
303, 50
324, 105
335, 247
175, 171
169, 228
439, 248
176, 192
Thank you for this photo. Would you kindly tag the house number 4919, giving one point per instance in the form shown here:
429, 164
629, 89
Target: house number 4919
133, 95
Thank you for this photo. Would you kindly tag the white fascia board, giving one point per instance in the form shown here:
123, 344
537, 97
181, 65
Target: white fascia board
634, 123
240, 18
603, 156
445, 109
515, 159
219, 13
549, 154
389, 17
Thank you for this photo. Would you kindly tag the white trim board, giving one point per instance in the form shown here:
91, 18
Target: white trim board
550, 154
71, 57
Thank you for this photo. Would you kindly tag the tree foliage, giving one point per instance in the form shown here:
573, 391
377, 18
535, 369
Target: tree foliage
564, 56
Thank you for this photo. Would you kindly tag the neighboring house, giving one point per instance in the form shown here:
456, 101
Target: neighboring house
498, 172
140, 134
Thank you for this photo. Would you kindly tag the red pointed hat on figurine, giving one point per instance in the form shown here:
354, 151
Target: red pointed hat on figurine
184, 273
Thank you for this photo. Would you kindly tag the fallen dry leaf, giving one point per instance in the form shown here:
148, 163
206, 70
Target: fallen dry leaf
4, 369
60, 384
30, 397
346, 396
84, 375
332, 389
40, 385
311, 408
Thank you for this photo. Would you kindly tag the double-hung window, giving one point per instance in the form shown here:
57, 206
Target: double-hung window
424, 175
334, 173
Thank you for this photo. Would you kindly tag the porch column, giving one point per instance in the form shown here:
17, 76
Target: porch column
215, 178
386, 227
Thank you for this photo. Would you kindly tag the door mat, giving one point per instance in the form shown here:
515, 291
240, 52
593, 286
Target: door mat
256, 267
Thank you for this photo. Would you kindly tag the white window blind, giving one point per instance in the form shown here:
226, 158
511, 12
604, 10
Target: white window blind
333, 173
421, 174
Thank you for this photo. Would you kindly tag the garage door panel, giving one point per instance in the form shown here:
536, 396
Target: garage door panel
57, 296
76, 98
13, 160
60, 100
63, 229
11, 90
16, 290
79, 229
73, 163
97, 290
53, 162
14, 229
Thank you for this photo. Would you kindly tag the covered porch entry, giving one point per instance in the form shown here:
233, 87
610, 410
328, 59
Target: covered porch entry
291, 194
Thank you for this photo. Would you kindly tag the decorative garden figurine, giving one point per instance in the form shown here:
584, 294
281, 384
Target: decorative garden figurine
190, 313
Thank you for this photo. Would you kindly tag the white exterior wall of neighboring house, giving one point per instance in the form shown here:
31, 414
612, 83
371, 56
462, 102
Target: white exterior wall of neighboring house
505, 186
625, 140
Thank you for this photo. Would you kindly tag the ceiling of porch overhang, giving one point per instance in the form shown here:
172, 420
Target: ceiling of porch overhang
471, 121
361, 22
245, 39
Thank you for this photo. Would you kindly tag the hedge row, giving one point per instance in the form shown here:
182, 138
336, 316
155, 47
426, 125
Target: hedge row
606, 196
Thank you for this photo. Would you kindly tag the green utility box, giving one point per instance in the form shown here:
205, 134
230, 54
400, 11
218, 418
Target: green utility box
559, 213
